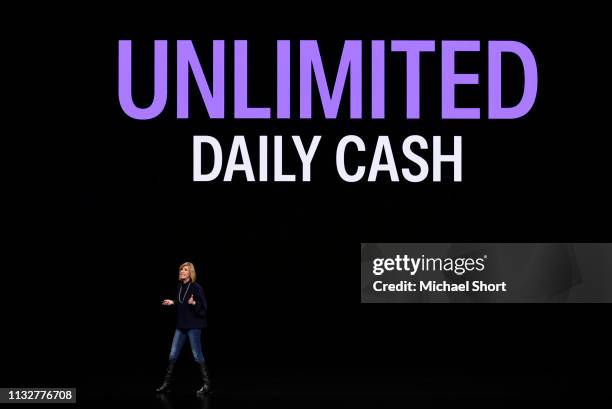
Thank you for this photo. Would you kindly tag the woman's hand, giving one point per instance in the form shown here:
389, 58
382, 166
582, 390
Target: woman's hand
167, 302
191, 301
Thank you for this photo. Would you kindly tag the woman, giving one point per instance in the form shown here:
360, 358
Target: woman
191, 318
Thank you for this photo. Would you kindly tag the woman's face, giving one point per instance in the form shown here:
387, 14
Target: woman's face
184, 273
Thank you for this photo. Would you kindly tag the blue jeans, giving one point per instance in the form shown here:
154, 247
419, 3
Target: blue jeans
180, 335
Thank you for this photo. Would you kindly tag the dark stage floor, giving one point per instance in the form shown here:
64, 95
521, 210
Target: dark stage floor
349, 391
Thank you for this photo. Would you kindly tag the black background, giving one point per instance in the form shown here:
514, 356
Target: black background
101, 210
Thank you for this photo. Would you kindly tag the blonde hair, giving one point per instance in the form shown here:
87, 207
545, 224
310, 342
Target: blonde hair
192, 272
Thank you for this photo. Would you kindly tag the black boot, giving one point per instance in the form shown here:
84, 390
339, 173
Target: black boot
205, 389
165, 387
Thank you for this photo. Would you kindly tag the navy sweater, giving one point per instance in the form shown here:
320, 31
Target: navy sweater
190, 316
